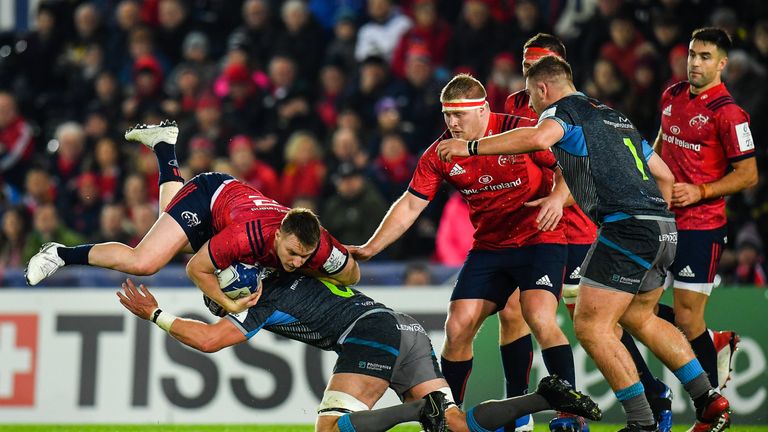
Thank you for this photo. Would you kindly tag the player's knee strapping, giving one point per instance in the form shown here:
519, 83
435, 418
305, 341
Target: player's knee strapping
336, 403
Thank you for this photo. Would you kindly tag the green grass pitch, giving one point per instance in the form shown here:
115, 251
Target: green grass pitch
594, 427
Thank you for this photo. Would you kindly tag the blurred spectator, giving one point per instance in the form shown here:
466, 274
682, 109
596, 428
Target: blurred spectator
108, 97
242, 103
606, 84
16, 143
749, 268
593, 33
760, 42
66, 161
249, 169
89, 30
307, 203
625, 47
678, 63
38, 60
13, 237
345, 149
135, 193
454, 233
528, 21
143, 217
666, 35
187, 88
140, 45
429, 34
39, 189
474, 40
96, 127
201, 156
503, 81
108, 170
744, 77
641, 104
258, 31
332, 82
393, 168
127, 18
83, 215
48, 228
326, 11
417, 274
304, 170
81, 78
195, 59
148, 93
112, 225
302, 39
380, 35
372, 85
341, 49
174, 24
209, 124
354, 212
416, 102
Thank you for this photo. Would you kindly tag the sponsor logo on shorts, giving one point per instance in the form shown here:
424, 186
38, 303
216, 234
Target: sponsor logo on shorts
687, 272
668, 237
190, 218
624, 280
373, 366
411, 327
544, 281
575, 273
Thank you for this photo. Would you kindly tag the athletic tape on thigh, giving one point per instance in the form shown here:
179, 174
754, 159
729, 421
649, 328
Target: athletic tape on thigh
570, 293
448, 395
336, 403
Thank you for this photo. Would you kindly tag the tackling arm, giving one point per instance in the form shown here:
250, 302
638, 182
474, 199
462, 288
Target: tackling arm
349, 275
522, 140
201, 272
196, 334
396, 222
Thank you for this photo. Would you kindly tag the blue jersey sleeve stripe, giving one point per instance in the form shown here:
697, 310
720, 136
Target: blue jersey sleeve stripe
372, 344
573, 141
631, 255
279, 318
647, 150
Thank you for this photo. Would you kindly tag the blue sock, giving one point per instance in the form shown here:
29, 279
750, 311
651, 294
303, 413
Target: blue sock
345, 424
472, 423
635, 404
75, 254
689, 371
559, 361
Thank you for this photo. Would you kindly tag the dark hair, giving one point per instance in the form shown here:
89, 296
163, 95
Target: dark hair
549, 67
713, 35
304, 224
548, 41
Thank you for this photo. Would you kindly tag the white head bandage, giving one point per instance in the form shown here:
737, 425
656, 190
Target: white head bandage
463, 104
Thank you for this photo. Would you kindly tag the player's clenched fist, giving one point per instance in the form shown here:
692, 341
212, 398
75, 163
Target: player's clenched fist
452, 147
685, 194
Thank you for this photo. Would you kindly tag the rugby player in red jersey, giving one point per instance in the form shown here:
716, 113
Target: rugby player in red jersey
706, 141
515, 246
240, 222
581, 232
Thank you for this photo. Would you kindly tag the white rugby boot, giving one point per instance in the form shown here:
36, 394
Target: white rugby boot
149, 135
43, 264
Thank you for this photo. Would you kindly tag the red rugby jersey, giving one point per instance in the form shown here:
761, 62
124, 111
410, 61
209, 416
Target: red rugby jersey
245, 222
495, 188
579, 228
701, 137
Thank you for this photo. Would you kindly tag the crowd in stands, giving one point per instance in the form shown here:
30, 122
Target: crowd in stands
320, 103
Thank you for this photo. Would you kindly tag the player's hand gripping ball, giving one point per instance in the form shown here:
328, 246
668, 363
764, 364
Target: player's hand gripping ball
237, 281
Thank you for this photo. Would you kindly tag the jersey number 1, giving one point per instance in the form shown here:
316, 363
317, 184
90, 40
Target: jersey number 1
638, 161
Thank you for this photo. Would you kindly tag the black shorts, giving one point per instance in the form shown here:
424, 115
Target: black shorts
495, 274
697, 258
191, 206
392, 346
631, 255
577, 253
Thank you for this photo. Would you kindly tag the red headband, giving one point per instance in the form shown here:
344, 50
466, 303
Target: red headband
463, 104
535, 53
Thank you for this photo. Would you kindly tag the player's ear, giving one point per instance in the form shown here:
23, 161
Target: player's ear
722, 63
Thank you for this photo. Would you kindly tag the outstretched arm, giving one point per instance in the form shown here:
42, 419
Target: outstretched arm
521, 140
396, 222
196, 334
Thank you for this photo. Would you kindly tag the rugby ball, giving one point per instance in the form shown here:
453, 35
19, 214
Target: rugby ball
239, 280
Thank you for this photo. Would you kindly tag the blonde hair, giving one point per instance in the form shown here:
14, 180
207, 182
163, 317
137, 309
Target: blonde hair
293, 146
463, 86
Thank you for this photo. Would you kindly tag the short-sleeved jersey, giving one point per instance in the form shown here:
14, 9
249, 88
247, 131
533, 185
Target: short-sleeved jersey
495, 187
604, 160
579, 229
305, 309
701, 136
245, 222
